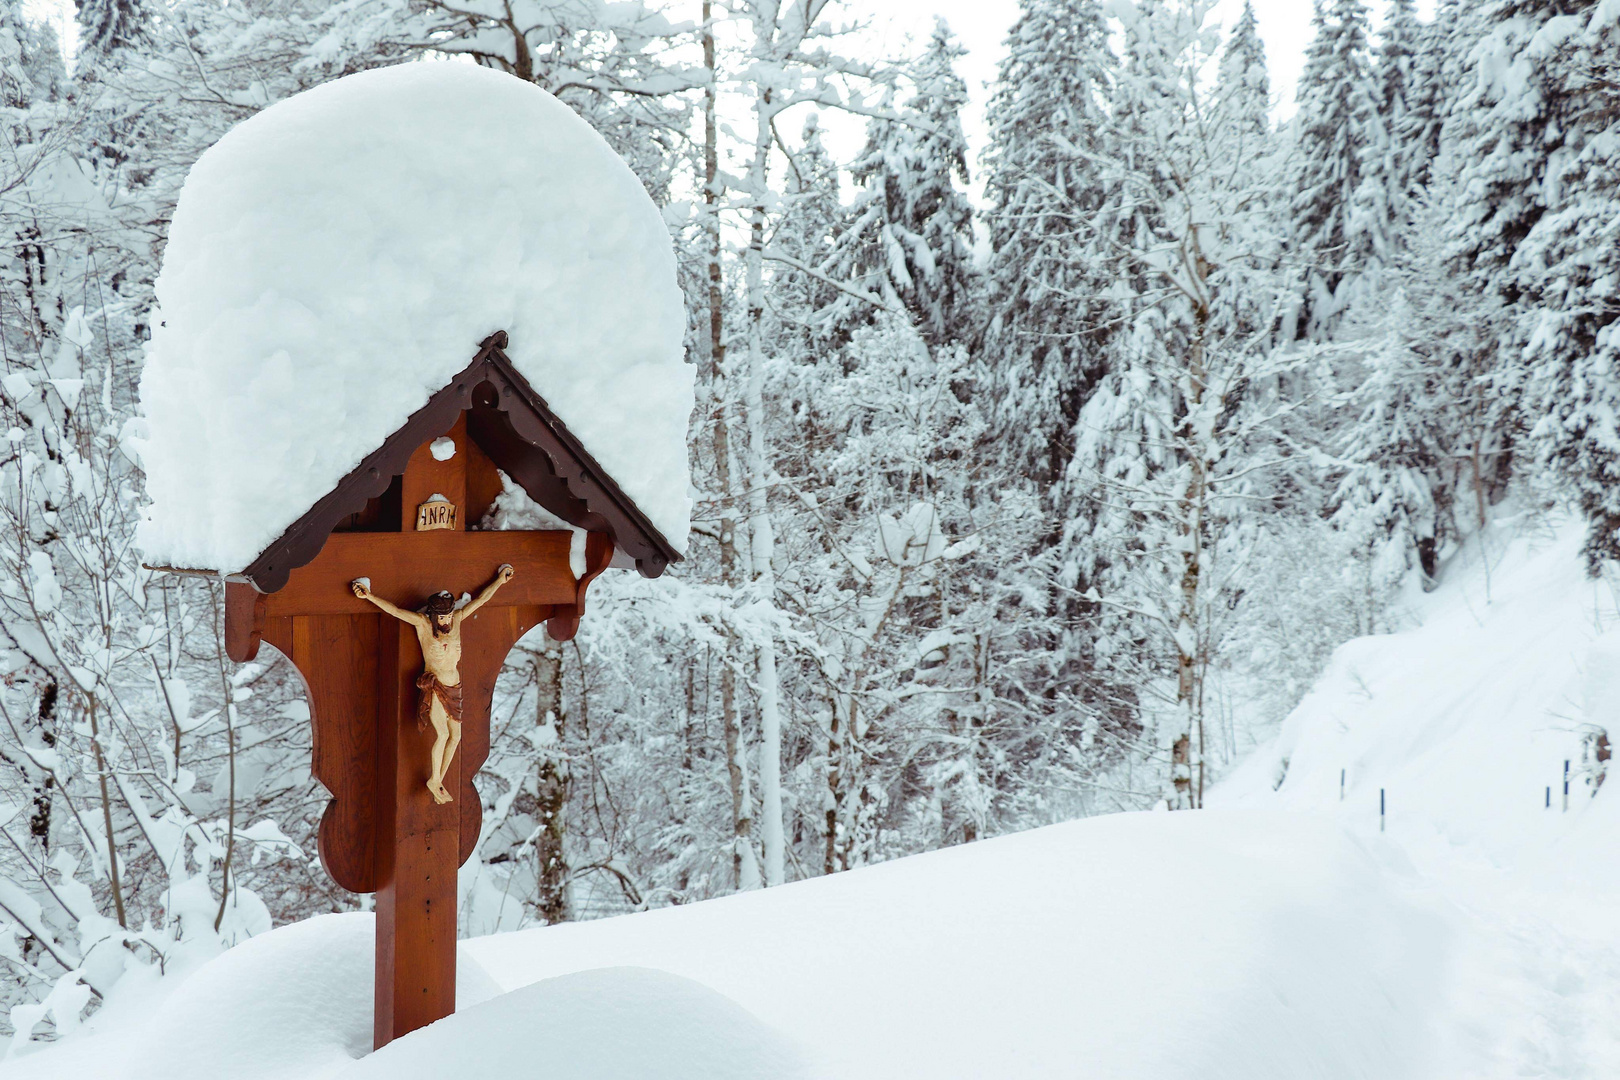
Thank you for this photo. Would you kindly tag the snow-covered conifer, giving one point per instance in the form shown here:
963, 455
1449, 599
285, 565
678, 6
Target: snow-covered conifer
806, 245
1567, 268
30, 59
1243, 92
1341, 220
1438, 64
108, 26
1398, 106
1047, 120
910, 233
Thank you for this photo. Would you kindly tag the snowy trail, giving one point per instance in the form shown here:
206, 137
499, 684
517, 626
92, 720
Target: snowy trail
1536, 998
1465, 723
1533, 983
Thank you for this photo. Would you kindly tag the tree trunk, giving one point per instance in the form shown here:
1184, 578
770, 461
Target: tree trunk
744, 871
107, 818
1193, 448
835, 790
552, 788
763, 547
39, 822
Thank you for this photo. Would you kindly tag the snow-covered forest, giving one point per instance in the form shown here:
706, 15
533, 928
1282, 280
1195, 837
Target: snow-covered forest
1008, 511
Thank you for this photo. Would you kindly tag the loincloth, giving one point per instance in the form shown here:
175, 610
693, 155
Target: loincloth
431, 687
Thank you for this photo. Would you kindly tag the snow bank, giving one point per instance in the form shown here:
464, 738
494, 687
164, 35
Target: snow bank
293, 1001
335, 259
1217, 945
611, 1024
291, 1004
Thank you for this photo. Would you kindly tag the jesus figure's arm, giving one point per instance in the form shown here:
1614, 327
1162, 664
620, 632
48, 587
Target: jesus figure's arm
363, 592
502, 576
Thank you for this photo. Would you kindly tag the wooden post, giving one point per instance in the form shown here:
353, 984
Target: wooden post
417, 849
417, 838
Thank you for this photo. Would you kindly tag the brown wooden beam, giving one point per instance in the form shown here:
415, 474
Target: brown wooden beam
409, 567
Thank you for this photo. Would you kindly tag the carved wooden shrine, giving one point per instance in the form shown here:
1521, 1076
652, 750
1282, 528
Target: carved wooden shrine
402, 519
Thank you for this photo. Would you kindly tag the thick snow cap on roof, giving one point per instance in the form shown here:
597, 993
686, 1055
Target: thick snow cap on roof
337, 258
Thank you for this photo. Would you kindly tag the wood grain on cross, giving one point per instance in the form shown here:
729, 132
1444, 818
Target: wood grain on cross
382, 832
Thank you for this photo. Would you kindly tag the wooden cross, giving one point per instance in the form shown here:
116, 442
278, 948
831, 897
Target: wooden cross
382, 832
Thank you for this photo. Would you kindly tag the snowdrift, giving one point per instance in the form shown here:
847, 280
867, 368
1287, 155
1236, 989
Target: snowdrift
295, 1004
1240, 944
608, 1024
1237, 945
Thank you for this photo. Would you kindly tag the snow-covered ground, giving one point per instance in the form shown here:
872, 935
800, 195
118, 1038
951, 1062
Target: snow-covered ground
1278, 934
1234, 944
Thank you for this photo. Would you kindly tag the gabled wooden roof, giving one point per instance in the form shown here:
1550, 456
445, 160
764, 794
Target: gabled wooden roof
515, 427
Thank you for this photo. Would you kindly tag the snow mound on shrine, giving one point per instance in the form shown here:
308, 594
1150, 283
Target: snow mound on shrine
607, 1024
337, 258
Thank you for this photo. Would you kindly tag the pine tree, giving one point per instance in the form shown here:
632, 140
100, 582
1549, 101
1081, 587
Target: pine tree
807, 244
1340, 210
1437, 59
1567, 268
1515, 124
1403, 38
910, 232
1047, 119
31, 67
1496, 138
109, 26
1243, 90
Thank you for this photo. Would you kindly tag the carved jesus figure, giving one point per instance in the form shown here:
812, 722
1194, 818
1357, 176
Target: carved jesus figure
438, 629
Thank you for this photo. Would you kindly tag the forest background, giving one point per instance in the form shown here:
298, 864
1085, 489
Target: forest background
1009, 510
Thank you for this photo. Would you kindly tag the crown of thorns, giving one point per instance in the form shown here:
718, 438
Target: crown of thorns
438, 604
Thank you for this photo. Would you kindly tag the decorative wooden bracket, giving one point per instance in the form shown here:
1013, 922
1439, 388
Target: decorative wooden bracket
563, 623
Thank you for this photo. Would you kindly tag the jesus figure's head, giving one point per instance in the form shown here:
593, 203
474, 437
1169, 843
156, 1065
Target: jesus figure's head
440, 610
